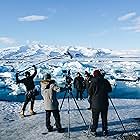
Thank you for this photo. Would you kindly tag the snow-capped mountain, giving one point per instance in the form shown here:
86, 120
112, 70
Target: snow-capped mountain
40, 50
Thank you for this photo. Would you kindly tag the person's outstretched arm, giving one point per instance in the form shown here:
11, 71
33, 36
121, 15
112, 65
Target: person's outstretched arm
35, 71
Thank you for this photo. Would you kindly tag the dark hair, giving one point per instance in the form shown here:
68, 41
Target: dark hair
27, 73
47, 76
78, 73
87, 74
97, 73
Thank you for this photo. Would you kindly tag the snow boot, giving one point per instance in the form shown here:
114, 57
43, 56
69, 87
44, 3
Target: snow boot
105, 133
22, 114
50, 129
32, 112
61, 130
94, 133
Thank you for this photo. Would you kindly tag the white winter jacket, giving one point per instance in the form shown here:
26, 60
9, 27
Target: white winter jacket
48, 91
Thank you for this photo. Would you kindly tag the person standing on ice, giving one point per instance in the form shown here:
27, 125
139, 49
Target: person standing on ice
87, 82
98, 90
30, 90
79, 85
48, 91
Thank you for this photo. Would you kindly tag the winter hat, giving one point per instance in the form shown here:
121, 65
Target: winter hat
78, 74
47, 76
87, 74
96, 73
27, 73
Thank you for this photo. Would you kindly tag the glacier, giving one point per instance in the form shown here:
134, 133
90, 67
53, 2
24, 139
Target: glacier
123, 64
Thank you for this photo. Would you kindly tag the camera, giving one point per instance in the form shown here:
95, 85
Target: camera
103, 73
68, 79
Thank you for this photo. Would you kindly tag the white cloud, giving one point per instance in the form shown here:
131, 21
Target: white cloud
133, 24
127, 16
134, 28
136, 20
33, 18
8, 41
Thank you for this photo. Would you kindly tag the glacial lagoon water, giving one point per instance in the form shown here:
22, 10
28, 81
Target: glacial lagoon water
121, 91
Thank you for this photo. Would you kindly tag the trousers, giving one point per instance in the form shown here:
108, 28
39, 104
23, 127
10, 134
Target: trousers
27, 100
56, 116
95, 116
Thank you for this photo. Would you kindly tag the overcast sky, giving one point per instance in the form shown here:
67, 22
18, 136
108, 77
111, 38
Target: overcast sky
113, 24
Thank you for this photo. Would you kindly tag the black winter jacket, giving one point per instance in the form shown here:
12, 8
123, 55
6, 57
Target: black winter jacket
87, 82
98, 90
28, 81
79, 83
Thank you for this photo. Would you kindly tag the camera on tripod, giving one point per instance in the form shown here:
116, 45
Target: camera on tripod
68, 79
68, 94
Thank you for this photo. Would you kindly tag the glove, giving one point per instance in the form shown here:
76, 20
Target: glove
34, 66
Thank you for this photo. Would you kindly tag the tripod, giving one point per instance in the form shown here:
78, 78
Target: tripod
69, 93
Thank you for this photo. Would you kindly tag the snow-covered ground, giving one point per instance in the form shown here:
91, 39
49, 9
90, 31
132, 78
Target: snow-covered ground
12, 127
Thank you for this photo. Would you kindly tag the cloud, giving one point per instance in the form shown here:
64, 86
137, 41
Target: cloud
133, 28
136, 20
33, 18
133, 22
134, 25
8, 41
127, 16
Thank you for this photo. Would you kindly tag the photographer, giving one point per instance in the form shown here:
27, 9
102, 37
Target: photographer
87, 81
48, 91
30, 90
79, 85
98, 90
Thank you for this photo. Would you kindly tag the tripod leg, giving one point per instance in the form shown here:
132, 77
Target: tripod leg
78, 108
68, 111
117, 114
69, 117
63, 100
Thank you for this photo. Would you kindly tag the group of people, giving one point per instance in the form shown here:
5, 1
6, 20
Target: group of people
48, 91
96, 86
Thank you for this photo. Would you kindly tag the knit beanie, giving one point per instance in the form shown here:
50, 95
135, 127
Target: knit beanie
96, 73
